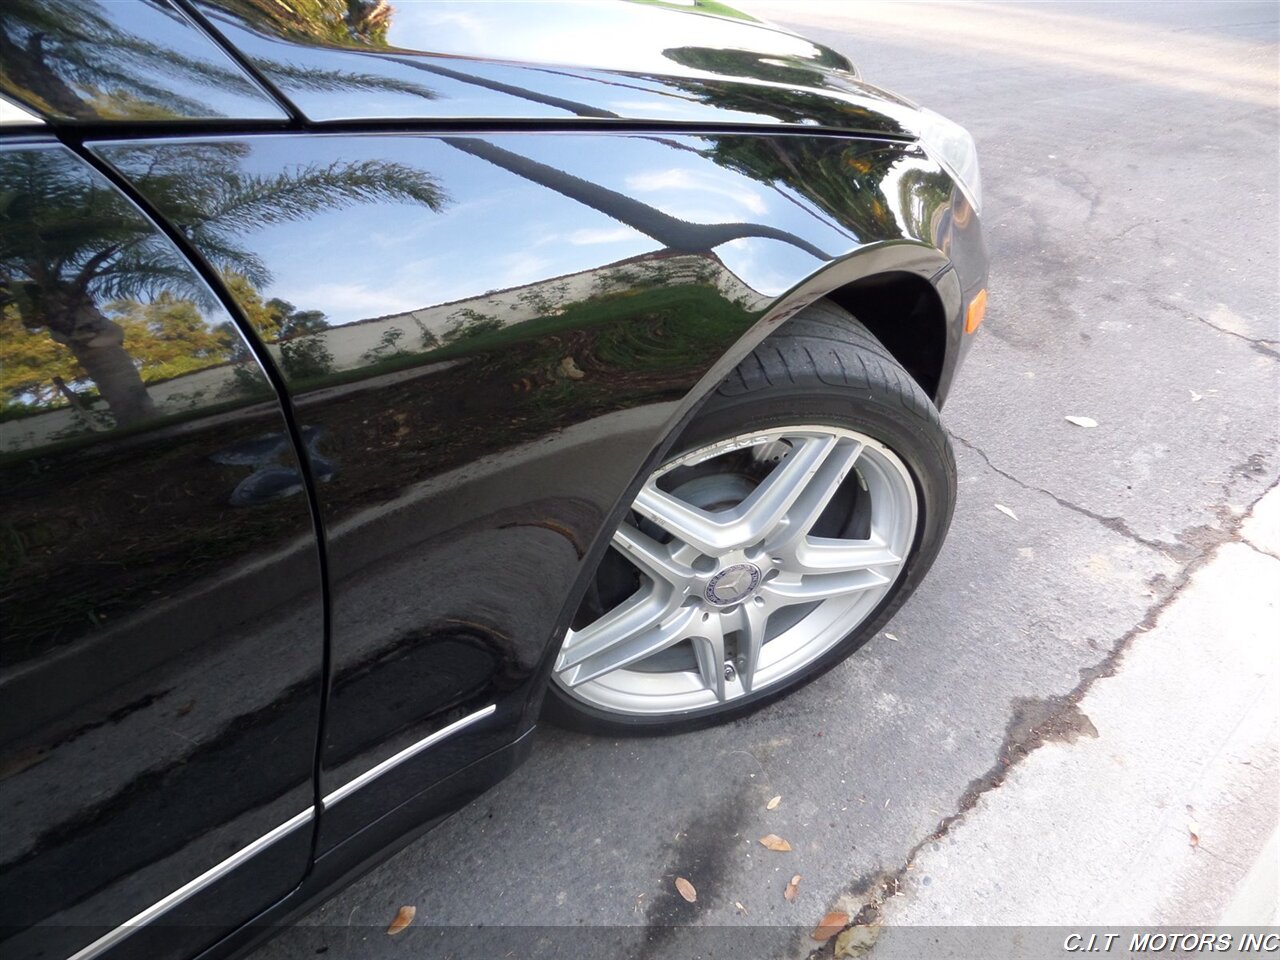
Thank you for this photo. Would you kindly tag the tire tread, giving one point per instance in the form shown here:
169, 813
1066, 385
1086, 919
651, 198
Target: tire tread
829, 346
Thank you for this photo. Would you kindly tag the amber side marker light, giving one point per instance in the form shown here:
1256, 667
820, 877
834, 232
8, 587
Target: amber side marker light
977, 310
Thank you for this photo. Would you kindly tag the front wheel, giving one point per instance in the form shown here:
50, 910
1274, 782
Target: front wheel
797, 512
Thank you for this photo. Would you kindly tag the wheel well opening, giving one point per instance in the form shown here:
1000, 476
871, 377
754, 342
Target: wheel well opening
906, 315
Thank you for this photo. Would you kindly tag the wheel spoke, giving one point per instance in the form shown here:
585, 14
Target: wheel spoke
777, 493
815, 494
752, 618
785, 590
616, 641
683, 521
708, 647
759, 513
653, 558
643, 610
820, 555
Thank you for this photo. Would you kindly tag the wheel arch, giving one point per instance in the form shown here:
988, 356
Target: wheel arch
781, 374
876, 284
867, 278
906, 314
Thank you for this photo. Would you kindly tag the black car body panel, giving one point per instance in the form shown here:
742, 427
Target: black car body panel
473, 446
162, 632
546, 62
89, 61
401, 362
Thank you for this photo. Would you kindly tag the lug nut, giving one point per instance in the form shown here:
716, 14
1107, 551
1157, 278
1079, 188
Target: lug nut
729, 672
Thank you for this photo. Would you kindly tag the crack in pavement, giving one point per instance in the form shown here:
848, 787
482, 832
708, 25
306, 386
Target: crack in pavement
1261, 344
1034, 721
1114, 524
1264, 346
1257, 549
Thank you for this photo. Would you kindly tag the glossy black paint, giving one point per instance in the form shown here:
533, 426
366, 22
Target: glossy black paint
379, 839
139, 61
161, 640
474, 442
555, 62
484, 335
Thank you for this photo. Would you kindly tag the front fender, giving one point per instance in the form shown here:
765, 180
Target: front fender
511, 329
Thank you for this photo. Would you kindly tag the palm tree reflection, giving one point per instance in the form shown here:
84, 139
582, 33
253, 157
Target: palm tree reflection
74, 59
69, 246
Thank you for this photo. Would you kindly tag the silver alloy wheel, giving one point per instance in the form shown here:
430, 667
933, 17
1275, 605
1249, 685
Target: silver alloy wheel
734, 591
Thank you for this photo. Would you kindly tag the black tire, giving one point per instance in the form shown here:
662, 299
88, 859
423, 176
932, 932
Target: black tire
822, 368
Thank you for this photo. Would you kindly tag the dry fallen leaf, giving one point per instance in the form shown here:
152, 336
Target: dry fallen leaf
404, 917
1006, 511
775, 843
830, 925
1193, 828
773, 804
789, 894
891, 636
1082, 421
686, 889
570, 369
856, 941
740, 907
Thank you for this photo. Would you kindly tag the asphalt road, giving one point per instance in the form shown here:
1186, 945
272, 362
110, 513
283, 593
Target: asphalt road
1130, 170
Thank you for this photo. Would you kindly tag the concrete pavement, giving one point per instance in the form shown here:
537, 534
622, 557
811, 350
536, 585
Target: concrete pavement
1156, 806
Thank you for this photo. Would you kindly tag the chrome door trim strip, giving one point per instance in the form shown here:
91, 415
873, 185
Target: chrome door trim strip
189, 889
193, 887
351, 786
12, 115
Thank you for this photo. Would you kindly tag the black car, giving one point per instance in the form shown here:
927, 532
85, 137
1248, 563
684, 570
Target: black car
378, 377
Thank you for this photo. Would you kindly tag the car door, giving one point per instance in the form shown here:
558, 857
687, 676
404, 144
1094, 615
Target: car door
161, 615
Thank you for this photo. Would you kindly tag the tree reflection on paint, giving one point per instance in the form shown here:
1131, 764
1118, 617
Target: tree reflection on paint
69, 246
